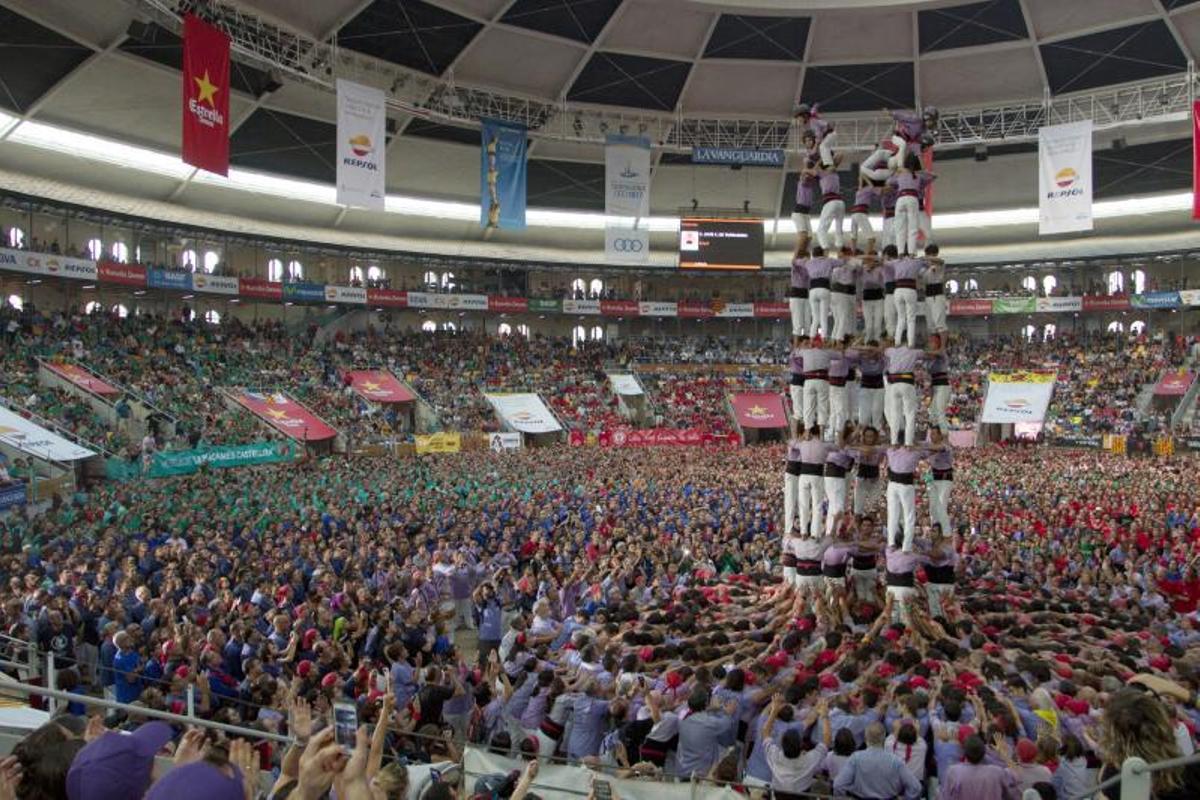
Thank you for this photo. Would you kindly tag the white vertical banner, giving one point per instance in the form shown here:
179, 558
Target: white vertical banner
626, 195
1065, 178
361, 142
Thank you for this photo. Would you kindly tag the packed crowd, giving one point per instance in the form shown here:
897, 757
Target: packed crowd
628, 613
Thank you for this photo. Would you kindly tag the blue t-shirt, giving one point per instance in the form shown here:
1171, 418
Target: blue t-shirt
124, 665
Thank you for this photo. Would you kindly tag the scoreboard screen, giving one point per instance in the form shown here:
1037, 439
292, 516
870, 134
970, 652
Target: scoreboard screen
725, 244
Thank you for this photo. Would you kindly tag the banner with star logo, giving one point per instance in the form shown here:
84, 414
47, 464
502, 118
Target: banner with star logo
286, 416
205, 96
376, 386
759, 410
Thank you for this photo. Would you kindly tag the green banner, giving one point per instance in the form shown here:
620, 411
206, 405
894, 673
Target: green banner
185, 462
538, 305
1014, 305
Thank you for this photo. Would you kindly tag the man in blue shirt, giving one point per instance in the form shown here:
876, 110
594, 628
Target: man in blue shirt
127, 669
876, 774
488, 609
703, 733
108, 652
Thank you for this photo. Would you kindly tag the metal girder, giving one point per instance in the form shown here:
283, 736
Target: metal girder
448, 102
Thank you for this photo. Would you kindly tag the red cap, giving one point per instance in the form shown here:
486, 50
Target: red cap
310, 636
963, 732
674, 680
892, 635
1161, 663
778, 659
918, 682
1062, 658
828, 681
885, 670
330, 679
1026, 751
304, 668
1078, 707
1065, 672
646, 653
182, 672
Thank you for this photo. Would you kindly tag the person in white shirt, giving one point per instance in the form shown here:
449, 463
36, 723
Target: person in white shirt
908, 747
793, 767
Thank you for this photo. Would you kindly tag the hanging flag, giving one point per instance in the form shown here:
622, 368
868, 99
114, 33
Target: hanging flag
361, 133
205, 96
627, 176
1065, 177
1196, 159
502, 175
626, 199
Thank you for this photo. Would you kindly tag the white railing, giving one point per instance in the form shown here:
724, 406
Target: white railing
445, 101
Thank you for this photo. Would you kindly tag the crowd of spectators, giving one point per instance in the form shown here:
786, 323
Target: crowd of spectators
631, 599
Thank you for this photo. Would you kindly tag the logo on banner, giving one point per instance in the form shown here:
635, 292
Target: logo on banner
361, 146
1065, 177
628, 245
758, 412
206, 92
1017, 402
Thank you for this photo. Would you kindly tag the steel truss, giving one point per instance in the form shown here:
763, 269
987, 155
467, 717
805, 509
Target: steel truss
443, 101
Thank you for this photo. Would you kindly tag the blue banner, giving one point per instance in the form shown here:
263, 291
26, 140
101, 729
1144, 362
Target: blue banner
177, 280
502, 175
737, 156
304, 292
12, 496
1156, 300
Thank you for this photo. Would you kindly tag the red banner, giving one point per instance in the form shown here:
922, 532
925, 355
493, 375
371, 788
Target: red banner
759, 410
379, 387
124, 274
970, 308
1174, 384
391, 298
287, 416
771, 309
694, 309
619, 308
259, 289
511, 305
663, 437
1102, 302
927, 165
205, 96
1196, 159
82, 378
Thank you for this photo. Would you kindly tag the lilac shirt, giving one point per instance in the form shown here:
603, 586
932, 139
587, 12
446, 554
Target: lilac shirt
909, 123
816, 359
821, 267
813, 451
796, 362
864, 197
901, 359
837, 554
805, 192
793, 450
839, 457
966, 781
844, 273
907, 269
941, 459
872, 278
901, 562
839, 367
831, 183
904, 460
799, 274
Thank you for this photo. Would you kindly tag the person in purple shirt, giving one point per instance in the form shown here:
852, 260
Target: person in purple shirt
973, 779
816, 385
909, 182
796, 379
868, 455
902, 494
822, 131
940, 570
939, 384
833, 210
870, 388
900, 399
935, 290
835, 562
791, 496
820, 270
912, 132
905, 271
900, 577
838, 461
703, 733
862, 235
806, 198
888, 274
813, 452
840, 366
462, 583
798, 294
941, 462
589, 716
843, 286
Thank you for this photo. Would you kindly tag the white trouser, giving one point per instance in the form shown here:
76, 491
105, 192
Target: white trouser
870, 407
901, 403
835, 501
828, 142
878, 173
818, 309
903, 148
842, 305
901, 513
839, 409
865, 581
902, 599
797, 395
935, 313
798, 306
812, 492
937, 407
872, 320
816, 402
906, 315
866, 494
936, 593
803, 223
939, 504
887, 233
889, 314
907, 224
791, 493
833, 213
861, 231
